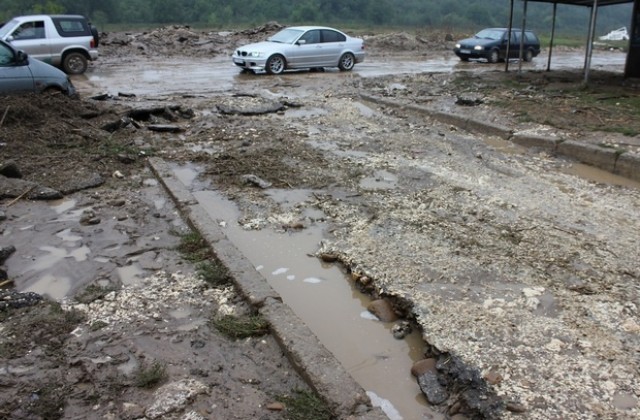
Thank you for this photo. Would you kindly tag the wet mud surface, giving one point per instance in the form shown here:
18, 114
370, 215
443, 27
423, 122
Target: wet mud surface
521, 276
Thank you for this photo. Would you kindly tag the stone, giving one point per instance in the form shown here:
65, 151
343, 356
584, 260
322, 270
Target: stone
493, 377
423, 366
275, 406
382, 309
5, 253
10, 169
432, 389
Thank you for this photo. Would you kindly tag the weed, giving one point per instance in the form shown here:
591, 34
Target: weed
241, 327
98, 325
149, 376
93, 292
194, 248
44, 325
48, 402
213, 273
305, 405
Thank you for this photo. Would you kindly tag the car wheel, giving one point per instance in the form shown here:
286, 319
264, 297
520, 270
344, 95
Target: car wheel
347, 61
528, 55
494, 56
74, 63
276, 64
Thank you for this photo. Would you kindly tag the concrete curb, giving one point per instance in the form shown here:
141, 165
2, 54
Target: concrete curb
612, 160
320, 369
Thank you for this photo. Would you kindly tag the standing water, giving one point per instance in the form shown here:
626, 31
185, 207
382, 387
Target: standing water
325, 299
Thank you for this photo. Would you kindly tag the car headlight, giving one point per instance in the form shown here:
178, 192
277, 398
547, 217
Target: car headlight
457, 45
255, 54
478, 48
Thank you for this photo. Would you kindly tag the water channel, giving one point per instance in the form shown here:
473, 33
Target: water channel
325, 299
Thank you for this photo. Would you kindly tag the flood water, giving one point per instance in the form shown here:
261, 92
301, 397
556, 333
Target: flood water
325, 299
201, 76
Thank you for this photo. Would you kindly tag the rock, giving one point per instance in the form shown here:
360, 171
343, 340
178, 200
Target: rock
432, 389
164, 128
382, 309
5, 253
90, 181
132, 411
10, 169
493, 377
117, 203
15, 300
256, 180
275, 406
423, 366
516, 407
174, 397
469, 100
401, 329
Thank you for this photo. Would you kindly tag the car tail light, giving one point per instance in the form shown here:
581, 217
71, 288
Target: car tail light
92, 43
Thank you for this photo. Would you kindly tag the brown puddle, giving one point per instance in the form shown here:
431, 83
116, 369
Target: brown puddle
324, 297
600, 176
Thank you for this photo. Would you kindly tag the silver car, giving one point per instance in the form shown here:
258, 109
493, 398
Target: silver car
301, 47
20, 73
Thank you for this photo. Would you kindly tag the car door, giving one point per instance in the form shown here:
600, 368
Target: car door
333, 43
306, 51
31, 38
14, 76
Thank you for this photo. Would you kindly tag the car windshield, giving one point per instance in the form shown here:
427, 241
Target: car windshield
286, 36
4, 31
489, 34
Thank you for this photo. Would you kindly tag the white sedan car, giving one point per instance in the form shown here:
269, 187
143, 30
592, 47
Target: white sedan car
301, 47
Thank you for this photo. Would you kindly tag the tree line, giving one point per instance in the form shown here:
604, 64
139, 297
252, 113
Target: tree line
454, 15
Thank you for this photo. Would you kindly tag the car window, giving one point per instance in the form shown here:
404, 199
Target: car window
287, 36
311, 37
29, 30
332, 36
70, 27
531, 37
6, 56
4, 31
490, 34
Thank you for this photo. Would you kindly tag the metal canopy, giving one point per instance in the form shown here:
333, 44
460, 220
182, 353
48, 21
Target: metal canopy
587, 3
594, 5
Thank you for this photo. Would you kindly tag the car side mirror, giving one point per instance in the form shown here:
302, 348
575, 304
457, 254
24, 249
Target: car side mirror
10, 38
22, 57
301, 42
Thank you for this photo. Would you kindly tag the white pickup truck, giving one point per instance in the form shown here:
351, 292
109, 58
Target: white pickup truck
65, 41
619, 34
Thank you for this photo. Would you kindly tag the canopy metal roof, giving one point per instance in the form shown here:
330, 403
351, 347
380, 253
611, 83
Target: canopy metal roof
588, 3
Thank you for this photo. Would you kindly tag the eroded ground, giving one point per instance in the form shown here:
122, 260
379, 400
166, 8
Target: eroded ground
525, 273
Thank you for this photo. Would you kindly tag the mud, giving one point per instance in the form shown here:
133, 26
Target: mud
523, 273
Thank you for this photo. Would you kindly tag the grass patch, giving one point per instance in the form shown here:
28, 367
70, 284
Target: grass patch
46, 325
98, 325
150, 376
48, 402
93, 292
194, 248
213, 273
241, 327
305, 405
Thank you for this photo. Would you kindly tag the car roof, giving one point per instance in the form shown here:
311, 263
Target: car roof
306, 28
506, 29
51, 16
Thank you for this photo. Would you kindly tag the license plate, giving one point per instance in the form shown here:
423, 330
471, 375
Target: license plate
465, 51
238, 61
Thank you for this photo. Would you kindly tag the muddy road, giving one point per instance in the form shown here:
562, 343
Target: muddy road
519, 277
